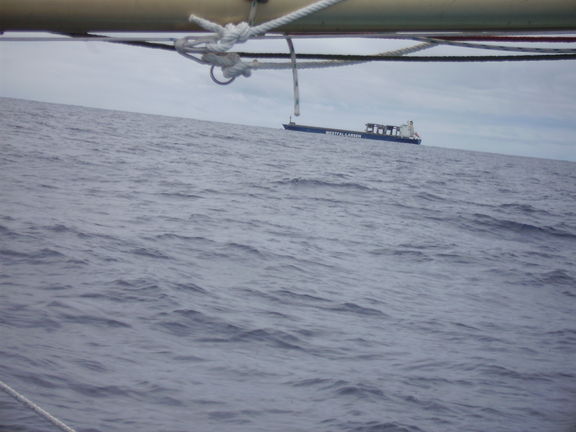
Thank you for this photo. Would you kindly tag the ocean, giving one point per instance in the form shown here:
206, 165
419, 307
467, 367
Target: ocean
175, 275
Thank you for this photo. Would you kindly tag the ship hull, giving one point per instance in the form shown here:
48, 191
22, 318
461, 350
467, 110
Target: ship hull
351, 134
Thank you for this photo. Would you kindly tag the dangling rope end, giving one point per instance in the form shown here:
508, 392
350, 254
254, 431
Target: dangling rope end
217, 81
294, 77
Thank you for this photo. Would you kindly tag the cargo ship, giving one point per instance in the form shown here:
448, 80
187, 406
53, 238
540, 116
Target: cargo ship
400, 134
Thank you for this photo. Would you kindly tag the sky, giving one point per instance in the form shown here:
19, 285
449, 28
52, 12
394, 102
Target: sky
515, 108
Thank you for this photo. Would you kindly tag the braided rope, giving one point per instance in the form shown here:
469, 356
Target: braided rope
29, 404
230, 34
499, 47
337, 63
296, 15
225, 37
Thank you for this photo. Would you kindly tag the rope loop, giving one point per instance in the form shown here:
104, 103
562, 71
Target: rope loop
217, 81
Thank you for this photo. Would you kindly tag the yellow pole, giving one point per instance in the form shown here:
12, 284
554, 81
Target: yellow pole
346, 17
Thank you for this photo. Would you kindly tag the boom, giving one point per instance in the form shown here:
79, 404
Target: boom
351, 16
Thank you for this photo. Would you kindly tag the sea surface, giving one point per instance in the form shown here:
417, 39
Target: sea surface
174, 275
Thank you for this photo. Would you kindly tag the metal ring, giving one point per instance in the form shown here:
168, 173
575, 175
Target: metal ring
216, 80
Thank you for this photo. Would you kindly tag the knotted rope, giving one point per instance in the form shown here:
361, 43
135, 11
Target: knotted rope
225, 37
214, 48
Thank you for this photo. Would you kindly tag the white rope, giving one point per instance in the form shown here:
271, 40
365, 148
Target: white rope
225, 37
231, 64
499, 47
230, 34
295, 85
29, 404
294, 16
336, 63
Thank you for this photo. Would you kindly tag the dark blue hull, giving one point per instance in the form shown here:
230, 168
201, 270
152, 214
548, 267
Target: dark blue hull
351, 134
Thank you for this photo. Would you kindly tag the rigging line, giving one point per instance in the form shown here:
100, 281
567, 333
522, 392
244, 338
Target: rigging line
356, 58
138, 43
84, 37
488, 38
561, 35
369, 58
497, 47
344, 61
147, 43
31, 405
347, 57
340, 63
457, 36
252, 12
151, 42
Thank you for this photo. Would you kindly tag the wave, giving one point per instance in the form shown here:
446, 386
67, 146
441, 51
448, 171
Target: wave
370, 426
499, 226
304, 183
356, 309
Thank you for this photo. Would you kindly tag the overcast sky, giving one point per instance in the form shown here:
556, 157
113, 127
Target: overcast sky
524, 108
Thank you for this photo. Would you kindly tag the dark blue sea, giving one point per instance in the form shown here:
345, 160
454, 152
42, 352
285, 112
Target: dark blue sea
167, 274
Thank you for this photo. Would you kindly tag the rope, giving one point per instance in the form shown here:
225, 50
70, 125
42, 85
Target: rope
294, 16
29, 404
231, 34
295, 85
84, 37
336, 60
360, 58
227, 36
347, 57
252, 13
215, 47
499, 47
491, 38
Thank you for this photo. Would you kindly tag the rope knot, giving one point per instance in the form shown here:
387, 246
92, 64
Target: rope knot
230, 35
227, 36
231, 64
224, 38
